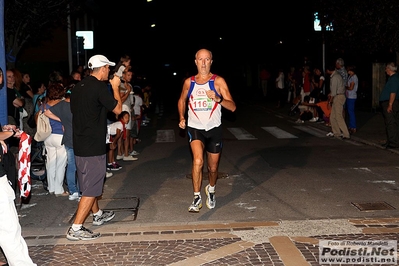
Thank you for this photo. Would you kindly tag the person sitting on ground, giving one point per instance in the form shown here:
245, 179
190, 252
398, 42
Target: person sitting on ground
317, 111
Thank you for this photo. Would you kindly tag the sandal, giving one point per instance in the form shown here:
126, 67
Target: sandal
64, 194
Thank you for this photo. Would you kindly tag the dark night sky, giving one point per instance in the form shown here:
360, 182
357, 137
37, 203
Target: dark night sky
250, 35
248, 32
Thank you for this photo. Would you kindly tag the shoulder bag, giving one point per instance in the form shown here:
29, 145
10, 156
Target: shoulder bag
43, 127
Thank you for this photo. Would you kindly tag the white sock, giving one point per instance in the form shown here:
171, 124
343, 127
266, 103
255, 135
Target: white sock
99, 213
76, 227
197, 194
211, 189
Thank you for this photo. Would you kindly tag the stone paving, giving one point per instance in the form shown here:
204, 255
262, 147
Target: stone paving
208, 244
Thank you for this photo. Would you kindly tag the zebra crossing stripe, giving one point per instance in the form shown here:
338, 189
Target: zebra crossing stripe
167, 135
241, 134
312, 131
279, 133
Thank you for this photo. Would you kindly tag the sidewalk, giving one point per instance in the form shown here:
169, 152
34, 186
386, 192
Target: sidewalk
231, 243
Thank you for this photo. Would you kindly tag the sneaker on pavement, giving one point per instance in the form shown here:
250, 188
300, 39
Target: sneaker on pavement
74, 196
314, 119
113, 167
299, 121
119, 157
196, 205
108, 174
134, 153
82, 234
105, 217
210, 198
330, 134
130, 158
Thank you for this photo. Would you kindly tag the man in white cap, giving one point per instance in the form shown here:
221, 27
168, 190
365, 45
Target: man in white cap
90, 103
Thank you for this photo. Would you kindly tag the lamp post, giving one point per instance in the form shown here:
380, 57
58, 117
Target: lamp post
3, 91
321, 25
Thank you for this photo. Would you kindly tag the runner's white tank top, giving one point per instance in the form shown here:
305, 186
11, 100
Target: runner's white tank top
203, 112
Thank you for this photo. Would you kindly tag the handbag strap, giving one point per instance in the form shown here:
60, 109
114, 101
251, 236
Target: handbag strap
43, 107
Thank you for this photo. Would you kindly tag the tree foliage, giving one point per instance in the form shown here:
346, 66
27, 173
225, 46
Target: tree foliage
365, 26
29, 23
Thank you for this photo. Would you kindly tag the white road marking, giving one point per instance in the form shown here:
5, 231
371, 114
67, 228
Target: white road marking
311, 131
279, 133
241, 134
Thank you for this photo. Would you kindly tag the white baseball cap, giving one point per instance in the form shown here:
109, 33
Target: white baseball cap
99, 61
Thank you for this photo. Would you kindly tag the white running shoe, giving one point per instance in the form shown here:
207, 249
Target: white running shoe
108, 174
196, 205
130, 158
133, 153
210, 198
74, 196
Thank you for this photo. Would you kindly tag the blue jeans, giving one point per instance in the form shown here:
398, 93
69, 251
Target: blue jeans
350, 105
71, 171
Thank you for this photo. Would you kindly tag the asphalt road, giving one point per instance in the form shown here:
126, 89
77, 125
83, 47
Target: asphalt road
279, 171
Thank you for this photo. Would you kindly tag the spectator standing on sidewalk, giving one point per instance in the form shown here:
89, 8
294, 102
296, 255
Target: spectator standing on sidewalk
264, 76
340, 67
351, 96
125, 88
56, 153
90, 102
206, 94
62, 112
390, 106
337, 99
306, 82
11, 241
280, 82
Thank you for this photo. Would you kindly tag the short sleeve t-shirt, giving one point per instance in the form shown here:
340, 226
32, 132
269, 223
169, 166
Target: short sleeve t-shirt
63, 111
90, 103
114, 127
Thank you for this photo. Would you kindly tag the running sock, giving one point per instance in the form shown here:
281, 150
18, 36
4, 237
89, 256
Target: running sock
211, 189
99, 213
197, 194
76, 227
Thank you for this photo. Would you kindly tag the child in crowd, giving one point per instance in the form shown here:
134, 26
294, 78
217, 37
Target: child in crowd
116, 131
123, 63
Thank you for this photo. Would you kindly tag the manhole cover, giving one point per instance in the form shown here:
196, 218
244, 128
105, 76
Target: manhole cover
373, 206
128, 208
205, 175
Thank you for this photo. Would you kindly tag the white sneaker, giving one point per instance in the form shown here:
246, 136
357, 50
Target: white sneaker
108, 174
119, 157
130, 158
74, 196
330, 134
299, 121
314, 119
134, 153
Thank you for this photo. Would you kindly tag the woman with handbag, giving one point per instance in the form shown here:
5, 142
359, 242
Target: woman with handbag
56, 153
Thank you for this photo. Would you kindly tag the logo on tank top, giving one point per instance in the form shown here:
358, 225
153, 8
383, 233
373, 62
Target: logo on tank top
201, 92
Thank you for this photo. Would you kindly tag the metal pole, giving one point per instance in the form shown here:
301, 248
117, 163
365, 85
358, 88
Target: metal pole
70, 44
324, 62
3, 90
